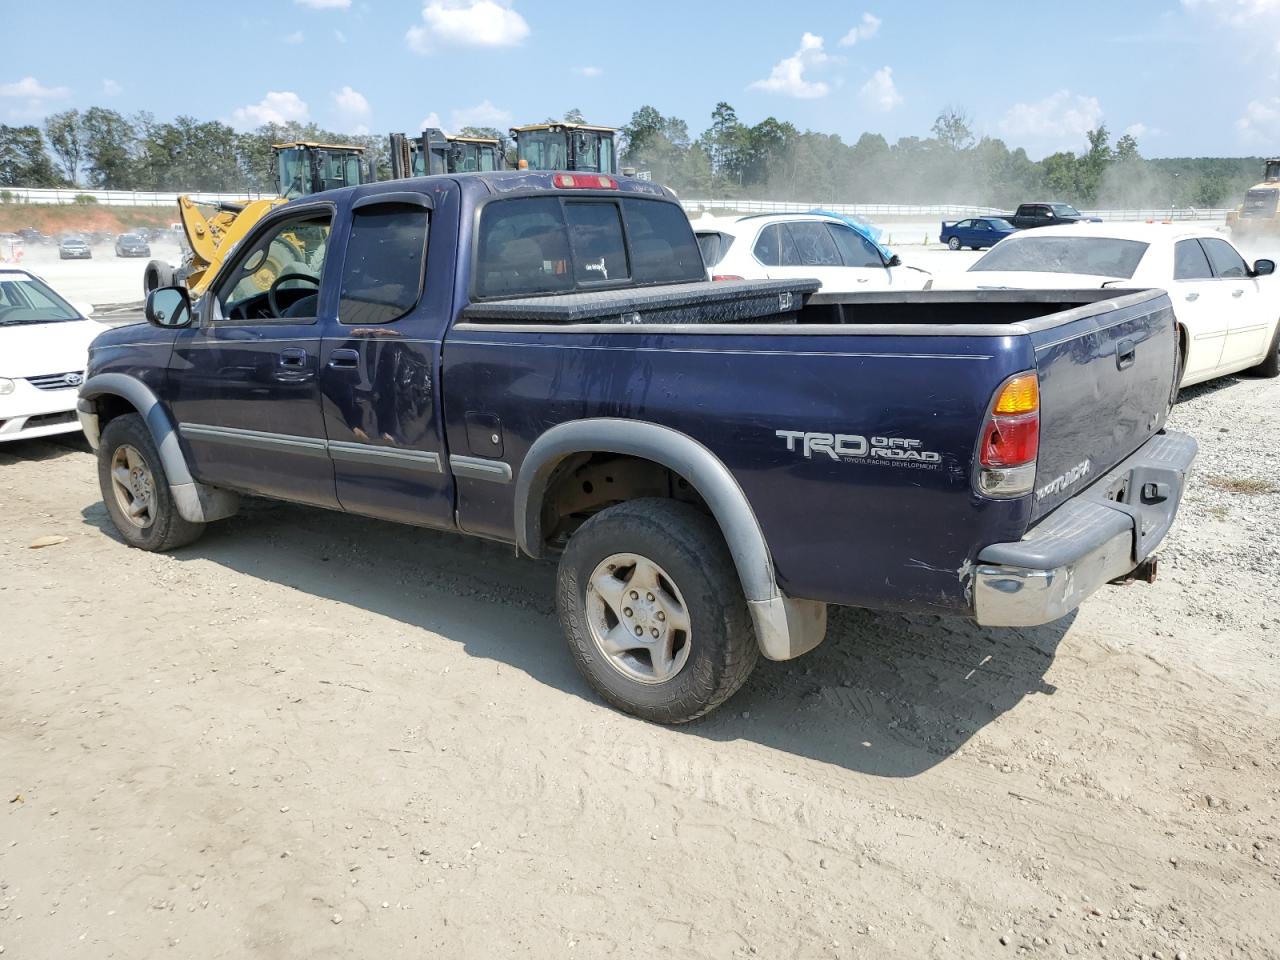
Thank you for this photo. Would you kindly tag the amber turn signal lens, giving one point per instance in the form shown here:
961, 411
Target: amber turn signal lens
1020, 395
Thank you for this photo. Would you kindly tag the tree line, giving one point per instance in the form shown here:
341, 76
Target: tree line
772, 159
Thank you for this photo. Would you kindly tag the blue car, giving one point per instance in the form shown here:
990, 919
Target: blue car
975, 233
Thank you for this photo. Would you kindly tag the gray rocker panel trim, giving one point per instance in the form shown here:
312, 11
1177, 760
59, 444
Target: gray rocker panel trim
196, 502
480, 468
785, 627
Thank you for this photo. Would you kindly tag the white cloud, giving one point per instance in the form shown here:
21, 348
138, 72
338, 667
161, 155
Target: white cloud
361, 130
483, 114
1059, 121
1261, 120
865, 30
111, 88
294, 38
1140, 131
432, 119
787, 76
879, 92
467, 23
588, 71
324, 4
29, 88
351, 103
276, 107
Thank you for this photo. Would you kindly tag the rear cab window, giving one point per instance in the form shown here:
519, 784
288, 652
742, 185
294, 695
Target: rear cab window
532, 246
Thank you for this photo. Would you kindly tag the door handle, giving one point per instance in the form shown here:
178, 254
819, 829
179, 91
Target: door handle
1192, 297
1237, 293
1126, 354
293, 357
344, 359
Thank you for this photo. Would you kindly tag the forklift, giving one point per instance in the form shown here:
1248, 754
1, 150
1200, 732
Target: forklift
436, 152
566, 146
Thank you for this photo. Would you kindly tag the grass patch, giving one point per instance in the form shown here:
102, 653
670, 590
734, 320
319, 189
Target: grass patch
1250, 486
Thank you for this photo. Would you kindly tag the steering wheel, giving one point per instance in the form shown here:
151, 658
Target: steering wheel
275, 285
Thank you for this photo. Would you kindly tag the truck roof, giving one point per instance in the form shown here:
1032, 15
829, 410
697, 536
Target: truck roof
503, 182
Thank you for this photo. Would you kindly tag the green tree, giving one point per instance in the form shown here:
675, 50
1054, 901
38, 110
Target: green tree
23, 161
110, 144
954, 128
66, 139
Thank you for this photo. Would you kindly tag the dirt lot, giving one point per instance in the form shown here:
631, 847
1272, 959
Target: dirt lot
311, 735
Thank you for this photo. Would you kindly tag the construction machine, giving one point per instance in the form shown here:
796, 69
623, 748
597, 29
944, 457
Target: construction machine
211, 230
1260, 212
434, 151
566, 146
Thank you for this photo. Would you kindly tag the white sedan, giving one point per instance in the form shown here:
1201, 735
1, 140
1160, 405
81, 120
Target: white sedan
44, 345
801, 246
1228, 312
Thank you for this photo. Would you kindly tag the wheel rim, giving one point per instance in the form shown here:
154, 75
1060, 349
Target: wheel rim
638, 619
133, 486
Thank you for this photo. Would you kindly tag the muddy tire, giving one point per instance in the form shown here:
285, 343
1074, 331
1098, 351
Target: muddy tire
136, 491
157, 274
653, 610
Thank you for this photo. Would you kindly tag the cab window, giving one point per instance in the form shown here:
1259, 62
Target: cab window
277, 278
855, 249
386, 255
1227, 263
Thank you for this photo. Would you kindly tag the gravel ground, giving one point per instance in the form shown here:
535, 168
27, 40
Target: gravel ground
312, 735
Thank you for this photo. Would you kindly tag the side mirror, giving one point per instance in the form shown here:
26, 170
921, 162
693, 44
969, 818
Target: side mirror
169, 307
1264, 268
894, 261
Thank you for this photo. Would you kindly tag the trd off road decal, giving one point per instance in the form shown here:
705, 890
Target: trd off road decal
855, 448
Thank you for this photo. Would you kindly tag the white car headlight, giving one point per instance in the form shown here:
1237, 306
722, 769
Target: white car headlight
6, 387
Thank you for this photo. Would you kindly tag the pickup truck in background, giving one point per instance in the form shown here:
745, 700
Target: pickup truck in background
536, 358
1046, 215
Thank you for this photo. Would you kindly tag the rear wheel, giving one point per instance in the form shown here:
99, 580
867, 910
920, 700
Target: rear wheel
136, 491
954, 243
651, 605
1270, 367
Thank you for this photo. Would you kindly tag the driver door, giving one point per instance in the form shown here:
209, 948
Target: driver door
244, 382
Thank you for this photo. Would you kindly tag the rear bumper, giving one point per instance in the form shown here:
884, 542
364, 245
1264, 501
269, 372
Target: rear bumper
1099, 536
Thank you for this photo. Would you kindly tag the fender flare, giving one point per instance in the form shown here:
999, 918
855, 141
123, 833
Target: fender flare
785, 627
196, 502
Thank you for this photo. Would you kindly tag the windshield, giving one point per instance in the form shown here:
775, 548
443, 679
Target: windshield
1064, 210
543, 150
24, 299
1273, 170
1092, 256
294, 173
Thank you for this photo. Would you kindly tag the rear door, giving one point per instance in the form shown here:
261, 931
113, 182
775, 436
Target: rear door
1106, 386
379, 361
1201, 306
1249, 317
803, 248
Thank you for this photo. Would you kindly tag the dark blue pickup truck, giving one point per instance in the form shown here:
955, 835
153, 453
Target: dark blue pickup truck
536, 358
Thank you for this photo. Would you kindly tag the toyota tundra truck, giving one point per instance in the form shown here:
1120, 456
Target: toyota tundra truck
536, 358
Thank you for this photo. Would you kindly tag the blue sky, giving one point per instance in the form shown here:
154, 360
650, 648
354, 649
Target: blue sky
1188, 77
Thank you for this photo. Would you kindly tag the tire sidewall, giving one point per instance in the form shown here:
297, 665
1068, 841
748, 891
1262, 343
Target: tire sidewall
712, 620
131, 430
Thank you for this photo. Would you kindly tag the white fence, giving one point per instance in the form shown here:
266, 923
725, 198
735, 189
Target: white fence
866, 211
941, 211
115, 198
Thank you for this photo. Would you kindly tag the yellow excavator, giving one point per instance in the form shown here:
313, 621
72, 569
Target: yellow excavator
213, 229
1260, 212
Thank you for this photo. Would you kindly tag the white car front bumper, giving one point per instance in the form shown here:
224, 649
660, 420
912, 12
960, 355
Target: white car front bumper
31, 412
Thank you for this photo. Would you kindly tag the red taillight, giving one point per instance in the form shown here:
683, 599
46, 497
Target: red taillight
1011, 439
725, 276
585, 181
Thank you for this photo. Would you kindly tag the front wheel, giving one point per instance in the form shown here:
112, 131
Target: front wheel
954, 243
653, 611
136, 491
1270, 367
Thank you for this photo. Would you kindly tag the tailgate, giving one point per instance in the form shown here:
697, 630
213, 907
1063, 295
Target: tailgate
1106, 386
